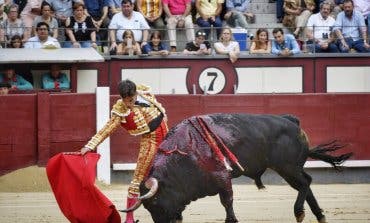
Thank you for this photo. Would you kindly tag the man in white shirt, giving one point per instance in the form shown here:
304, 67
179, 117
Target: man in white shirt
318, 31
42, 39
128, 19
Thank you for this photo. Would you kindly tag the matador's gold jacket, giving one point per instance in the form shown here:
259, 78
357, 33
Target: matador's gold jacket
135, 121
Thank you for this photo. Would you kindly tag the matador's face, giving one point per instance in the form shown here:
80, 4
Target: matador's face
129, 101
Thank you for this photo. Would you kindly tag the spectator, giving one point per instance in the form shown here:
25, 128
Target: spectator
262, 44
46, 16
152, 10
17, 82
320, 38
128, 19
237, 14
297, 13
4, 88
209, 14
227, 46
16, 42
279, 10
336, 7
199, 46
128, 46
114, 7
3, 17
98, 10
28, 14
363, 6
155, 46
80, 29
178, 15
42, 39
12, 25
55, 79
350, 29
62, 11
284, 44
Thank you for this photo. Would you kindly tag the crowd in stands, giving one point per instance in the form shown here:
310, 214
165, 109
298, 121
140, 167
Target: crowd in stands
150, 27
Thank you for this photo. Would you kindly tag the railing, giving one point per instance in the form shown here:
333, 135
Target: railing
250, 36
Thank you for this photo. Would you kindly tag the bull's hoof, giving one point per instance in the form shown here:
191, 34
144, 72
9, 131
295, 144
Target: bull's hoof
234, 220
323, 220
300, 217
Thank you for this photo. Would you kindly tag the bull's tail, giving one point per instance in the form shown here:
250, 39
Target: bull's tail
320, 153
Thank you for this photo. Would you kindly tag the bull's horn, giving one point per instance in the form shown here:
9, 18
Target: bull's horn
133, 207
151, 184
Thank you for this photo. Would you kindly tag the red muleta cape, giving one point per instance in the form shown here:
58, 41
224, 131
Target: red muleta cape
72, 178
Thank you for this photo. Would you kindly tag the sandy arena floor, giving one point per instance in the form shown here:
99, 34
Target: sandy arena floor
25, 197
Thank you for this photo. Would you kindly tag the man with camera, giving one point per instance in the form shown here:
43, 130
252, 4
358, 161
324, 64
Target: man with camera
320, 38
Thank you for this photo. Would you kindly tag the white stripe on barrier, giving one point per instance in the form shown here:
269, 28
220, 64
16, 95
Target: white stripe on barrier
308, 164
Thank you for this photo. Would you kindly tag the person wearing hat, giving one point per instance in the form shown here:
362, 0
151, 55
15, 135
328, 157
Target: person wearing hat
4, 88
199, 46
17, 82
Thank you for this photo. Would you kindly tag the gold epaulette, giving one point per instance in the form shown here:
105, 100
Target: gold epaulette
143, 89
120, 109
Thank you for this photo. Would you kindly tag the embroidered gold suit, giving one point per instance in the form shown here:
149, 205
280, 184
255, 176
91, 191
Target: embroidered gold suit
136, 121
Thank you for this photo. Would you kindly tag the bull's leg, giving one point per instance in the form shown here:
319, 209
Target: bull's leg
226, 197
312, 202
296, 179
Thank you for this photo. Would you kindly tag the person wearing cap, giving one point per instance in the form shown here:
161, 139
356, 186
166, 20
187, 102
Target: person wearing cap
4, 88
42, 39
199, 46
16, 82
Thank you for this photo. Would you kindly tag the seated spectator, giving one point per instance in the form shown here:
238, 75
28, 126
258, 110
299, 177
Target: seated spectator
128, 46
28, 14
284, 44
350, 29
261, 44
128, 19
55, 79
42, 39
98, 10
47, 17
62, 11
12, 25
4, 88
155, 46
363, 6
199, 46
16, 42
320, 38
227, 45
297, 13
336, 7
178, 15
17, 82
152, 10
3, 17
237, 14
209, 14
80, 31
114, 7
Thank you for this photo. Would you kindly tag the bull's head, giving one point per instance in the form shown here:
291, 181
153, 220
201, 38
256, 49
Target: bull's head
152, 185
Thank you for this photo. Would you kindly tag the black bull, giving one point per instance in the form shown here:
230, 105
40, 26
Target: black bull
186, 168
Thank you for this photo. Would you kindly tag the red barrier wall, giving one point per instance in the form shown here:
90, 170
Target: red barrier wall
35, 127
